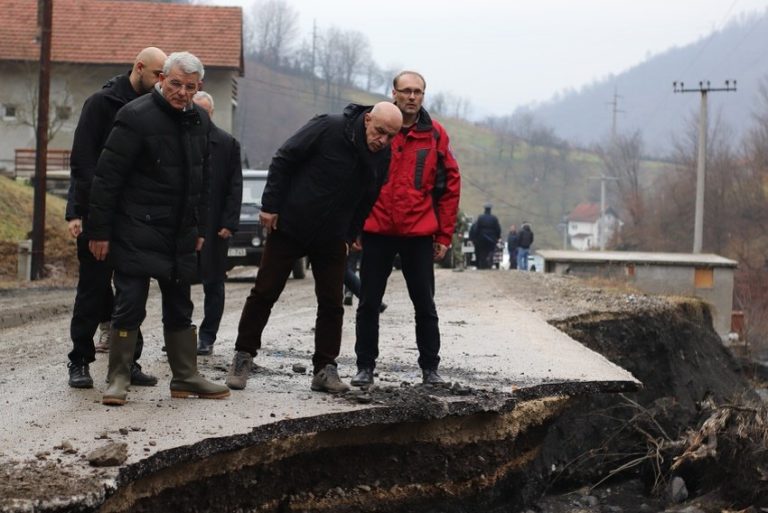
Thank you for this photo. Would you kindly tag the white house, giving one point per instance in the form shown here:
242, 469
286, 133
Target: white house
94, 40
585, 223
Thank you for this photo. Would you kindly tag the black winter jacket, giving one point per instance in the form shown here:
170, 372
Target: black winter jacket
93, 127
149, 195
226, 195
324, 180
525, 237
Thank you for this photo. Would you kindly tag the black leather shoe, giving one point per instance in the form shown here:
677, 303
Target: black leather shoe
348, 299
140, 379
79, 376
204, 348
363, 378
431, 377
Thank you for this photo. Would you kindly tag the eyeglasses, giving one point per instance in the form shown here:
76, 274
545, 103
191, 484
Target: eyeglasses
409, 92
176, 84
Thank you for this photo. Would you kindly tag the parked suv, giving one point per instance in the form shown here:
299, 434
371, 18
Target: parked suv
247, 244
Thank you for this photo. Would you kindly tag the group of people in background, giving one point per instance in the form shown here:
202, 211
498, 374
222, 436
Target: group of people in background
155, 193
485, 234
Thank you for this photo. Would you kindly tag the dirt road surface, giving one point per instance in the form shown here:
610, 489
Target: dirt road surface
490, 340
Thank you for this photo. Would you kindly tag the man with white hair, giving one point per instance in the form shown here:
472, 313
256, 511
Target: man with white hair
226, 179
148, 213
94, 299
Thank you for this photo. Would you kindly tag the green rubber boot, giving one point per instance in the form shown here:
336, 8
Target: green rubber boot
181, 348
121, 349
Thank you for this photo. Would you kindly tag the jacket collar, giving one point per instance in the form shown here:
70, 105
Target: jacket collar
119, 88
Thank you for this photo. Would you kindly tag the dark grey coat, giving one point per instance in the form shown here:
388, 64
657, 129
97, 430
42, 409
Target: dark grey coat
149, 194
226, 195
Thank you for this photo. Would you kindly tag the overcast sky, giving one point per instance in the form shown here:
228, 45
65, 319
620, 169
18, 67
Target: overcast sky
502, 54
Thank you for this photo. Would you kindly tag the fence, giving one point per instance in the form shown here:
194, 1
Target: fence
25, 159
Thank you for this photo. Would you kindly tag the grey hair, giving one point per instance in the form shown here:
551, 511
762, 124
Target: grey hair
186, 61
204, 96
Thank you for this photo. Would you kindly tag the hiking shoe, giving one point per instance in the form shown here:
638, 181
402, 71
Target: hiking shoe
363, 378
327, 380
204, 348
102, 346
431, 377
79, 376
141, 379
239, 371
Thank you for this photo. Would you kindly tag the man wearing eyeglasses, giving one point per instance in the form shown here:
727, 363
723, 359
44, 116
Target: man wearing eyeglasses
414, 217
148, 214
94, 298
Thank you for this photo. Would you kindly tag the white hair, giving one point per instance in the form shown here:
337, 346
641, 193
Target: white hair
202, 95
186, 61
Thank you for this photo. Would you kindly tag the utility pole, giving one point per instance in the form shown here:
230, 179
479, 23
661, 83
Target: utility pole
614, 113
704, 88
45, 20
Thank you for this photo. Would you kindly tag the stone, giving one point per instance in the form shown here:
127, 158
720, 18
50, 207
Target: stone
678, 492
299, 368
110, 455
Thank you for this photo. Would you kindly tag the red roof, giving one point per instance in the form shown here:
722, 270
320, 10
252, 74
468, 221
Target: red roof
585, 212
113, 32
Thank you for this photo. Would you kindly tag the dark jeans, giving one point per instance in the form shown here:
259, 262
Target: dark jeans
93, 305
131, 294
328, 260
484, 255
513, 258
416, 259
351, 280
213, 309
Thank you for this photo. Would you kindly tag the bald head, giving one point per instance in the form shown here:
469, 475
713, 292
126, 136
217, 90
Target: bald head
381, 125
146, 69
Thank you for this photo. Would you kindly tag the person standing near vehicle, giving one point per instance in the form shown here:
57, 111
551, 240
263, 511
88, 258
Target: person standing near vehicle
148, 213
321, 185
485, 234
94, 297
414, 216
524, 241
225, 197
512, 237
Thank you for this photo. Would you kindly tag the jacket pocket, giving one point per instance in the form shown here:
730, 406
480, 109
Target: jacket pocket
150, 214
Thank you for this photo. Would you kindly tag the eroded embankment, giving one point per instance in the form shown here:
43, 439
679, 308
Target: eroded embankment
473, 453
684, 368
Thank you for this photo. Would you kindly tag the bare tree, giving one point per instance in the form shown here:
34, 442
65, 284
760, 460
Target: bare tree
60, 103
354, 50
329, 63
274, 30
622, 159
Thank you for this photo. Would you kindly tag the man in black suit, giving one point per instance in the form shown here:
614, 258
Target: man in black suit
226, 194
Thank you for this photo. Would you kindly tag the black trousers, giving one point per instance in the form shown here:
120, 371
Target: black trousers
213, 310
131, 294
94, 301
351, 280
328, 260
418, 270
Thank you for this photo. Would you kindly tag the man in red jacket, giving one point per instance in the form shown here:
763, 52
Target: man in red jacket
414, 216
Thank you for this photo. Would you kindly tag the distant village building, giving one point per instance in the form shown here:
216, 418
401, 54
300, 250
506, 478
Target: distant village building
584, 225
705, 276
94, 40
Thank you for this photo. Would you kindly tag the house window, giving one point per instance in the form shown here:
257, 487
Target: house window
63, 112
703, 277
9, 111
